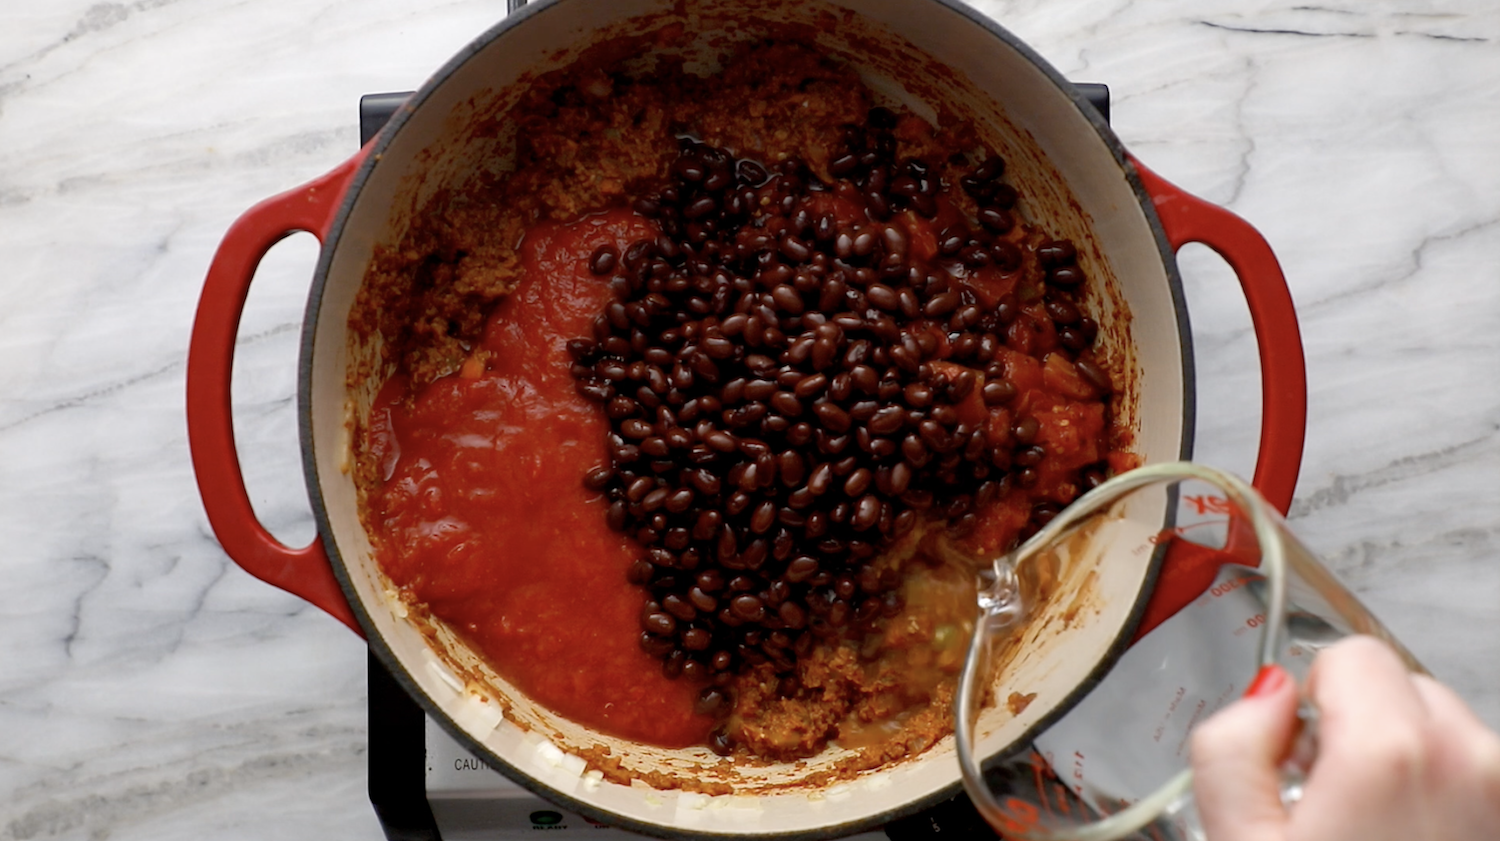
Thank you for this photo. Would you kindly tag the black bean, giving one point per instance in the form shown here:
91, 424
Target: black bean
759, 389
655, 499
883, 297
581, 350
1093, 374
792, 467
841, 387
1007, 309
996, 219
718, 347
887, 420
1026, 429
901, 476
934, 435
734, 325
640, 573
908, 303
748, 608
721, 441
809, 386
991, 168
1065, 276
795, 249
832, 416
712, 702
679, 607
751, 173
1072, 339
658, 647
1005, 255
604, 259
786, 403
858, 482
763, 518
1054, 253
598, 478
1092, 477
998, 392
914, 451
824, 350
750, 308
961, 386
905, 359
638, 488
858, 353
680, 500
660, 624
941, 304
595, 391
697, 639
703, 481
801, 569
918, 395
1062, 312
1029, 456
866, 513
746, 475
787, 299
821, 479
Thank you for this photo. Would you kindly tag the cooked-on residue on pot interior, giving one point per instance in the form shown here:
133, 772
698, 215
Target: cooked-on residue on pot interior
671, 464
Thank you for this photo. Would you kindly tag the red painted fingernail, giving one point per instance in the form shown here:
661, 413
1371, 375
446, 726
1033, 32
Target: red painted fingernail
1267, 681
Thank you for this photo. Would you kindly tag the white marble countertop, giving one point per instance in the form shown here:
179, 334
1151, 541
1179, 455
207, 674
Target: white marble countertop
150, 689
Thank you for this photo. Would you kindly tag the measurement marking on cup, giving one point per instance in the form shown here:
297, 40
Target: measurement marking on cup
1209, 504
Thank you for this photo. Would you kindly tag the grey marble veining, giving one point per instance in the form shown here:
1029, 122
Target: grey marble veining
149, 688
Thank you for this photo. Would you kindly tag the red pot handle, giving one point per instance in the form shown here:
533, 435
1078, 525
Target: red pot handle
1283, 372
1189, 569
304, 572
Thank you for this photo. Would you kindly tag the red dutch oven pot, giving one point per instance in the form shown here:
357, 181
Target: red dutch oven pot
1077, 179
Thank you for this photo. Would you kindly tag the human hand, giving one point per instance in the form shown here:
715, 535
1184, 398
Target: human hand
1400, 757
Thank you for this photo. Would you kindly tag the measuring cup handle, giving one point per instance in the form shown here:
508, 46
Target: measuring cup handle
1283, 372
305, 571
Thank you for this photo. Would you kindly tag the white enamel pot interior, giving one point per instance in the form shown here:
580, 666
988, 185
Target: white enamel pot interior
1074, 178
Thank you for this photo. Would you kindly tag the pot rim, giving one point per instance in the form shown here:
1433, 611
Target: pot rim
398, 669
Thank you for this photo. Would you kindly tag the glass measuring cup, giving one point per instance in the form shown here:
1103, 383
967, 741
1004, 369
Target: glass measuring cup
1237, 591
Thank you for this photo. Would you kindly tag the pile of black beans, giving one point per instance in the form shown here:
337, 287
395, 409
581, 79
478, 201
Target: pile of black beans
775, 419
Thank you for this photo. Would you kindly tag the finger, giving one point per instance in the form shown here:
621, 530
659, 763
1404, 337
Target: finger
1444, 706
1372, 743
1359, 682
1369, 710
1235, 757
1467, 753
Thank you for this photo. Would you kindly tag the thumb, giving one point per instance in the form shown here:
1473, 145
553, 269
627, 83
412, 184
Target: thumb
1236, 755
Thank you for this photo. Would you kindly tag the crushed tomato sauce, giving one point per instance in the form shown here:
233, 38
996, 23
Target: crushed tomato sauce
486, 520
